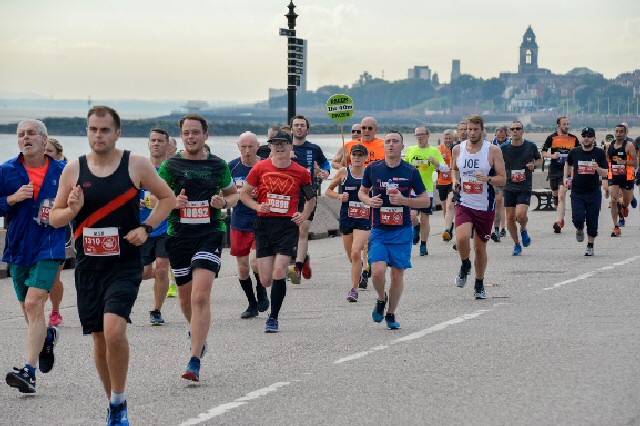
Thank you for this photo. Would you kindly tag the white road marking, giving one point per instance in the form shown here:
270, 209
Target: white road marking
360, 354
592, 273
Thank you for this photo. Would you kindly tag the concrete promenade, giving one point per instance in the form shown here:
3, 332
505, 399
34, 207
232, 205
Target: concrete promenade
556, 342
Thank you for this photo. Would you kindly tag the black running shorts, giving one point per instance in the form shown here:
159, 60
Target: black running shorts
276, 235
188, 253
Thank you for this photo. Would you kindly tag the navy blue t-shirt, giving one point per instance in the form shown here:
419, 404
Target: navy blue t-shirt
308, 153
242, 217
380, 178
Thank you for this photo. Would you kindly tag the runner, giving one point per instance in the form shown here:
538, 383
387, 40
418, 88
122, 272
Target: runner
557, 147
173, 287
499, 220
427, 159
356, 132
154, 249
477, 166
243, 219
33, 249
355, 218
587, 164
454, 198
368, 139
279, 183
196, 229
386, 187
621, 156
101, 191
444, 184
520, 160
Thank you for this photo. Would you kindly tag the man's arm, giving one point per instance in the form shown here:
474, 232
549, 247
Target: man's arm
497, 161
69, 199
336, 161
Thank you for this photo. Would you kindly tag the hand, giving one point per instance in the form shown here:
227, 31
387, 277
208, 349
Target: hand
531, 165
218, 202
344, 197
137, 236
181, 200
456, 186
481, 177
324, 174
297, 218
396, 197
75, 200
25, 192
264, 208
555, 155
376, 202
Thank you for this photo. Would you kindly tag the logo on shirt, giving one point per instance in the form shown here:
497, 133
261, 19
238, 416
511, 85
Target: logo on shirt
278, 183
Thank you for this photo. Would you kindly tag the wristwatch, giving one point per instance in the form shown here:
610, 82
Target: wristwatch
147, 228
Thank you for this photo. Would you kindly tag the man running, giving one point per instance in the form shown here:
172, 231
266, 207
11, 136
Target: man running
368, 139
386, 187
520, 160
556, 147
196, 229
477, 166
586, 165
444, 184
355, 217
427, 159
34, 249
499, 220
454, 198
101, 191
279, 182
622, 159
243, 218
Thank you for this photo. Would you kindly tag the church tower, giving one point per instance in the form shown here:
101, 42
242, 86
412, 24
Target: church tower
528, 53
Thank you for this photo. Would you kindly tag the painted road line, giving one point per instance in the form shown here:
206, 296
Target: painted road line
592, 273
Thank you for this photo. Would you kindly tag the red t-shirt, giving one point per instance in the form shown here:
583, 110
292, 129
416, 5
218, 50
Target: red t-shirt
278, 187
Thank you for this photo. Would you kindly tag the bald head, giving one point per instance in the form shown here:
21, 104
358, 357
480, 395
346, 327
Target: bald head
248, 146
369, 128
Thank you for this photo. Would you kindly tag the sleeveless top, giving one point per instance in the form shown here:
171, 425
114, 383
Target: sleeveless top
619, 172
476, 194
353, 211
111, 209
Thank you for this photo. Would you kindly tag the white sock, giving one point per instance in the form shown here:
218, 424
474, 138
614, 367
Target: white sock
117, 398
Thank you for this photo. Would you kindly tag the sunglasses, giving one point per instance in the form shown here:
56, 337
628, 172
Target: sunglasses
513, 129
367, 127
356, 131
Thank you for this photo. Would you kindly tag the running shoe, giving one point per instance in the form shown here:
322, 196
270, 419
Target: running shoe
252, 311
634, 203
517, 250
173, 290
118, 415
461, 278
495, 236
22, 380
423, 251
580, 235
46, 358
446, 235
616, 232
503, 232
589, 251
272, 325
306, 268
364, 280
352, 296
155, 317
55, 319
392, 324
378, 309
480, 294
625, 211
621, 221
193, 370
263, 298
526, 240
294, 275
557, 228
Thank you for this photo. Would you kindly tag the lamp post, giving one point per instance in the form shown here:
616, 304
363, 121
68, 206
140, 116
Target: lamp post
294, 60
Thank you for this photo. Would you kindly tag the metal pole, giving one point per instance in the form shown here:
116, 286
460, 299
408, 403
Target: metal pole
292, 87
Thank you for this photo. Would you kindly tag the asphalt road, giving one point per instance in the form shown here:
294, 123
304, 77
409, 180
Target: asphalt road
557, 342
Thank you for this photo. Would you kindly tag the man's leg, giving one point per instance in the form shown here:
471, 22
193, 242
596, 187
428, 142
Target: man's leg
562, 196
200, 308
117, 352
161, 285
100, 359
378, 277
480, 262
359, 239
463, 240
184, 295
614, 191
511, 224
303, 242
396, 288
34, 310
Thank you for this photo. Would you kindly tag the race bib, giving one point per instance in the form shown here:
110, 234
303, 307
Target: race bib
391, 215
101, 241
196, 212
44, 210
278, 203
618, 169
518, 176
421, 164
586, 168
562, 158
472, 187
358, 210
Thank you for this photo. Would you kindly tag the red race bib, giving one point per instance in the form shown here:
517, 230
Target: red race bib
358, 210
518, 175
101, 241
391, 216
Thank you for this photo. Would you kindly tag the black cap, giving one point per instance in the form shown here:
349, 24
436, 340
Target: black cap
609, 137
360, 148
589, 132
281, 135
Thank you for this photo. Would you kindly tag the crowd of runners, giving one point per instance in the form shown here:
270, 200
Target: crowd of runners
134, 218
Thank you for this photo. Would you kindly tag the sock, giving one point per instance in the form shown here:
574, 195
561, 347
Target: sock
49, 337
466, 264
261, 291
423, 243
451, 229
479, 285
589, 244
31, 370
247, 286
299, 266
117, 398
278, 292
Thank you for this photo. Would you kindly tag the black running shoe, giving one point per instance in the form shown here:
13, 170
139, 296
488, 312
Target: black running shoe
252, 311
46, 358
21, 380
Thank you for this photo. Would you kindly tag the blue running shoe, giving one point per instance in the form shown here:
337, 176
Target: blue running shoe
22, 380
423, 250
526, 240
272, 325
517, 250
378, 309
634, 203
621, 221
193, 370
118, 415
392, 324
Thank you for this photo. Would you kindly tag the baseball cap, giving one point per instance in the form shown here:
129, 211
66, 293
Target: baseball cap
281, 136
609, 137
360, 148
589, 132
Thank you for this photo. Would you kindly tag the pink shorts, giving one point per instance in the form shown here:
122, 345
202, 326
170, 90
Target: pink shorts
481, 220
242, 242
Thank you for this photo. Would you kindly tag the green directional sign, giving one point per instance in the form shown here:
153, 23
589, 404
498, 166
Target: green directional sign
340, 107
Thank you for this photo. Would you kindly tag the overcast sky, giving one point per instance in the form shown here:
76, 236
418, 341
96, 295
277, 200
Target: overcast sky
230, 50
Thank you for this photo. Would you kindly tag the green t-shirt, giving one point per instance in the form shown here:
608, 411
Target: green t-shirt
201, 180
419, 157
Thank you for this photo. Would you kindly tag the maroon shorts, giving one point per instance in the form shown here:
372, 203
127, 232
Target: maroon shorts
481, 220
242, 242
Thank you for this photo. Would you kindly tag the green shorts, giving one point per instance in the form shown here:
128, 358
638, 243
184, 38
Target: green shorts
41, 275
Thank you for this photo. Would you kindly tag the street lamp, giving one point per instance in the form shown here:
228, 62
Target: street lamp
295, 51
